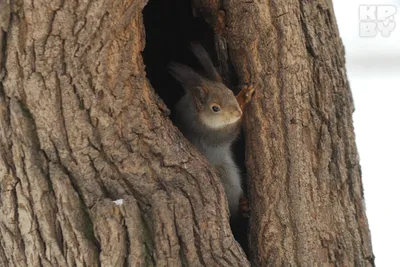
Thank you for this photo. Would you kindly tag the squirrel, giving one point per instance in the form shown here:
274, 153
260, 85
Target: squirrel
209, 115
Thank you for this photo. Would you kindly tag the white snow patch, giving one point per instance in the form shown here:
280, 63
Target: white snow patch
118, 202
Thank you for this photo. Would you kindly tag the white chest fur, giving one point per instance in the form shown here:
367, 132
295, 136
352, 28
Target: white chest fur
222, 159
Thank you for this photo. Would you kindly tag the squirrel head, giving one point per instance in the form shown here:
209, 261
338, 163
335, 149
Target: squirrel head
215, 104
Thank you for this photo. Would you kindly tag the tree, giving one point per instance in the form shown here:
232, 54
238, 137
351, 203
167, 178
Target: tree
81, 126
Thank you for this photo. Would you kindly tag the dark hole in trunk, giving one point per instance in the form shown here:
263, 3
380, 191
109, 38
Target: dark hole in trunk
170, 28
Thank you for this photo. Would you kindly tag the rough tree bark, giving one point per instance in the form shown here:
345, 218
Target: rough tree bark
80, 126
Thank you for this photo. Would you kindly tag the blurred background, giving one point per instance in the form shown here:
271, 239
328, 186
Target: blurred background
373, 69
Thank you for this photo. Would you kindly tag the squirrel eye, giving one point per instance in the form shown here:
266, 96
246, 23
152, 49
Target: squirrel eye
215, 108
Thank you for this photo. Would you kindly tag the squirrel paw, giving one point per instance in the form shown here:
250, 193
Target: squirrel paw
244, 207
245, 95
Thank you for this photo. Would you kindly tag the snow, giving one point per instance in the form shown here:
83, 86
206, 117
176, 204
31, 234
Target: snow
118, 202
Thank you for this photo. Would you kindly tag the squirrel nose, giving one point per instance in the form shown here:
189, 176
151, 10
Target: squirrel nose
237, 113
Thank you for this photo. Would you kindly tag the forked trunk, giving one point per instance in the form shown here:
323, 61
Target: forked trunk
81, 126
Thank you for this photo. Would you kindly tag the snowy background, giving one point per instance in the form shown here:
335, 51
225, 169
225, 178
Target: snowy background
373, 69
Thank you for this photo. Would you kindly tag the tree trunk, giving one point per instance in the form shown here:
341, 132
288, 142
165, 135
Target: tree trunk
81, 126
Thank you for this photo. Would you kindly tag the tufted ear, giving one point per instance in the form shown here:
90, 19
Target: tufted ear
205, 61
191, 82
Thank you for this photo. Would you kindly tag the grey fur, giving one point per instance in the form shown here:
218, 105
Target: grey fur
215, 145
194, 118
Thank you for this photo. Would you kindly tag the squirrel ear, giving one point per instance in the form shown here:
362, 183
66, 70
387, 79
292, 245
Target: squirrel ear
190, 80
185, 75
205, 61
